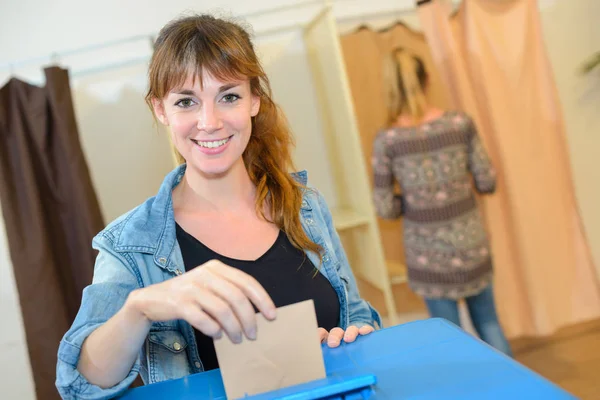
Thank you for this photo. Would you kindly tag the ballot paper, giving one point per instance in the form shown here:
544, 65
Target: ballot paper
286, 352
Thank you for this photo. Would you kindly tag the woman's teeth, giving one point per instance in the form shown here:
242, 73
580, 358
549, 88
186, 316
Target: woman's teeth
213, 144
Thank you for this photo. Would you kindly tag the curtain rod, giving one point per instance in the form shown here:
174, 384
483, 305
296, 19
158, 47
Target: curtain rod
55, 56
386, 12
393, 12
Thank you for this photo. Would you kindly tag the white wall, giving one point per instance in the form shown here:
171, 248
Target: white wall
46, 27
126, 153
283, 56
60, 25
572, 34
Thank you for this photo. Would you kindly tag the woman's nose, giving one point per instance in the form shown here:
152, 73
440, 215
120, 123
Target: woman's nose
209, 119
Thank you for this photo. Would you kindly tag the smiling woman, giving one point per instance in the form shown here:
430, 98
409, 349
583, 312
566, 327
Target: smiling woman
232, 231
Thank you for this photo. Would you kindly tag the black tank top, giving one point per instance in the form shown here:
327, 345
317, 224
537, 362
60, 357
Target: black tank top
284, 271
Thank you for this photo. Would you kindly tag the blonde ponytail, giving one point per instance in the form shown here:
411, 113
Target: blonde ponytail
404, 88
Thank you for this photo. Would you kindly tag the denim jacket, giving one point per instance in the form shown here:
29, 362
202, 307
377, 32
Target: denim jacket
140, 249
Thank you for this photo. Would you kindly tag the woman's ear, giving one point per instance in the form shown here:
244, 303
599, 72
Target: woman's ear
255, 106
159, 111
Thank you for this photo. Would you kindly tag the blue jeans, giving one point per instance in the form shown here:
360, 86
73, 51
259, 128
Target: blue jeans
483, 315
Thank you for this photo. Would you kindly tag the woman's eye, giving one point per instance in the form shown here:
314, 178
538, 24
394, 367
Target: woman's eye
185, 103
230, 98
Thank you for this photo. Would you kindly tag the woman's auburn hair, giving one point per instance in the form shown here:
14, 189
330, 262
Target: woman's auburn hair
223, 49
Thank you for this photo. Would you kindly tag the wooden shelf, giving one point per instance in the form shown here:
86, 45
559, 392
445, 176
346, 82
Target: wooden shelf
355, 220
397, 272
344, 218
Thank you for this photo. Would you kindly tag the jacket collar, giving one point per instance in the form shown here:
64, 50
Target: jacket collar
301, 177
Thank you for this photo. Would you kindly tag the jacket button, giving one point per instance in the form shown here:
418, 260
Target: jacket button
162, 260
178, 272
325, 257
176, 346
198, 365
309, 221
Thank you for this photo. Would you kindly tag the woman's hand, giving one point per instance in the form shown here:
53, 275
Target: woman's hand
212, 297
334, 337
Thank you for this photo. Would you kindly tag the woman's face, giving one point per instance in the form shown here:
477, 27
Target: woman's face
210, 125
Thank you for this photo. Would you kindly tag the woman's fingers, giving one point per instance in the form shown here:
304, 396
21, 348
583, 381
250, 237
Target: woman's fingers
335, 337
323, 335
249, 286
221, 312
365, 330
201, 321
350, 334
237, 300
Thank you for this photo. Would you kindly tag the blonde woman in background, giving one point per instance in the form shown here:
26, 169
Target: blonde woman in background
430, 153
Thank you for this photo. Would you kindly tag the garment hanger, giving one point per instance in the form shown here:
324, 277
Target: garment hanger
362, 27
393, 25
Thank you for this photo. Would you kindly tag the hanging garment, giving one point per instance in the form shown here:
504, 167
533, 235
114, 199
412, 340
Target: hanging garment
492, 58
50, 211
446, 247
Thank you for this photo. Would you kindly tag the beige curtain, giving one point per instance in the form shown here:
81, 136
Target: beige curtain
493, 61
363, 52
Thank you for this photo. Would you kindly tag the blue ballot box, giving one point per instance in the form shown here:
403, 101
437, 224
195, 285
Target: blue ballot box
430, 359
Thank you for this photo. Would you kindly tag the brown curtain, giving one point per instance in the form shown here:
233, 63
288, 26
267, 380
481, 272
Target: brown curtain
50, 211
364, 51
493, 61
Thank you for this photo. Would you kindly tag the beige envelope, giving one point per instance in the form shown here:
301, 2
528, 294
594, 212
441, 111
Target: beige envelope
287, 352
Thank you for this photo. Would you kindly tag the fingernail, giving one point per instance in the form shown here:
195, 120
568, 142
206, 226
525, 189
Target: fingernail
218, 335
237, 339
252, 334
